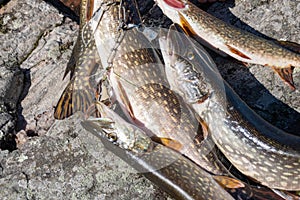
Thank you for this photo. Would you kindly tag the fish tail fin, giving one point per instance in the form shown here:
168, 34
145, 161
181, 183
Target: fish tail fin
74, 99
71, 66
286, 74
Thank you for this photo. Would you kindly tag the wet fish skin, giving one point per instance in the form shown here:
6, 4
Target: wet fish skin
240, 140
239, 44
137, 78
168, 169
171, 171
79, 94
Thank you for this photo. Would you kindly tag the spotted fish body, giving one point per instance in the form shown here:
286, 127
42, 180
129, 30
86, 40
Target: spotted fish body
171, 171
240, 139
137, 78
84, 62
239, 44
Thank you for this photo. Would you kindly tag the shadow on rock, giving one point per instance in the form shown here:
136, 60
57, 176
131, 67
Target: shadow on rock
21, 122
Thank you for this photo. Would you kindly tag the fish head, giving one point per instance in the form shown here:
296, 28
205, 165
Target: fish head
116, 130
185, 65
191, 71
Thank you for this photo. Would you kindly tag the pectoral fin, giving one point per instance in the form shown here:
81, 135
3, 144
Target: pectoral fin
168, 142
204, 126
286, 74
227, 182
89, 9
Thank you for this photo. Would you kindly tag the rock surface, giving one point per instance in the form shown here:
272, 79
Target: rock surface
54, 159
59, 159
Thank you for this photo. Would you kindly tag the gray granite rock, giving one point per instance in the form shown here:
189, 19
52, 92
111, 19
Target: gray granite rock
11, 86
69, 163
59, 159
54, 159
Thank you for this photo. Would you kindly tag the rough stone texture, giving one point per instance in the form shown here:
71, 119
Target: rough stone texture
59, 163
60, 160
69, 163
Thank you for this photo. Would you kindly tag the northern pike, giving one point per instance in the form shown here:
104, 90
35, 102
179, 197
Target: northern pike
79, 94
168, 169
235, 42
138, 81
250, 143
171, 171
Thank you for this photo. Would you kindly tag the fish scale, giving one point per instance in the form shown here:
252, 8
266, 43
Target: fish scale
137, 77
182, 125
145, 95
244, 142
185, 175
228, 39
174, 173
79, 94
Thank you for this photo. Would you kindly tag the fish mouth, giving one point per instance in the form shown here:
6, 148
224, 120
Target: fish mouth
171, 7
172, 4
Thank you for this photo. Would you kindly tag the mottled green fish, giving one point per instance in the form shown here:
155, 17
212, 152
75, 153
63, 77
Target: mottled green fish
84, 62
168, 169
138, 80
239, 44
255, 147
172, 172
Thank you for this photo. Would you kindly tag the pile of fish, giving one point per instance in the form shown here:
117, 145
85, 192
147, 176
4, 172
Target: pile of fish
155, 98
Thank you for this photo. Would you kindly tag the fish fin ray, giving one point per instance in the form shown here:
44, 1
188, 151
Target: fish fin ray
168, 142
228, 182
89, 9
286, 74
73, 100
186, 26
204, 126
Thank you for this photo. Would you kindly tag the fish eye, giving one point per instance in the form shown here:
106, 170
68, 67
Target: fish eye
190, 55
112, 137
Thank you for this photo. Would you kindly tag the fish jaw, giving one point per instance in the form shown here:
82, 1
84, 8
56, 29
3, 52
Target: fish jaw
118, 131
189, 69
171, 171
